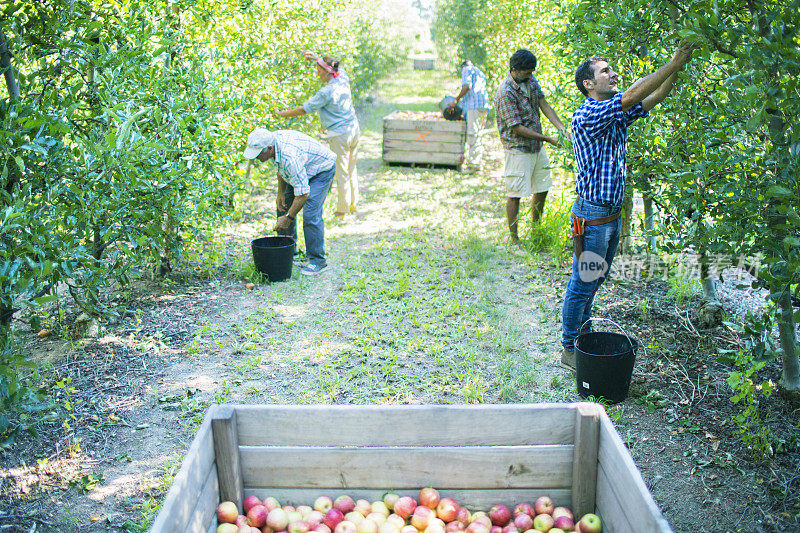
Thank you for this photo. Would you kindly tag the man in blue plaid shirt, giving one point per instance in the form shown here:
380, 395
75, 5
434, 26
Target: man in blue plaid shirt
599, 136
475, 103
305, 173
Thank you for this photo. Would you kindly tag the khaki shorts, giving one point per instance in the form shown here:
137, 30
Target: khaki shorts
526, 174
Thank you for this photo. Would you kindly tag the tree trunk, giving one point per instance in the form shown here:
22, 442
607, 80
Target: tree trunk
625, 227
790, 380
5, 64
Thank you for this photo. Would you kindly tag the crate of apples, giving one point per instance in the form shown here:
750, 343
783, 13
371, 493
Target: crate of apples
428, 513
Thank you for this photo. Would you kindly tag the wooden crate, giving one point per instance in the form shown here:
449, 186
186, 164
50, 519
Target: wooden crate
434, 142
479, 454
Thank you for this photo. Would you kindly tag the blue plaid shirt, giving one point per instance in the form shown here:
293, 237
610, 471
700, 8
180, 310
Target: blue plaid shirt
477, 97
599, 139
299, 157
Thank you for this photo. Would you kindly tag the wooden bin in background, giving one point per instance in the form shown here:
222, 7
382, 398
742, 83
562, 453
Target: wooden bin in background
478, 454
433, 142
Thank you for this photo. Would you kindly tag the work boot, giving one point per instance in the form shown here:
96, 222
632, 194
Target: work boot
568, 359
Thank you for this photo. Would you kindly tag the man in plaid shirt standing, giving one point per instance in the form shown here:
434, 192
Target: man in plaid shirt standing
527, 170
305, 173
599, 136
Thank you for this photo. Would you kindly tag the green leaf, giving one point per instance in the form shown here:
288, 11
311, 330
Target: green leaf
778, 191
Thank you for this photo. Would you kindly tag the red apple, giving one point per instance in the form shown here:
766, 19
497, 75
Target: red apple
496, 529
321, 528
363, 507
304, 510
564, 522
543, 522
562, 511
500, 515
524, 508
590, 523
482, 518
227, 513
315, 517
429, 497
523, 522
267, 529
344, 503
447, 509
389, 499
463, 515
333, 517
289, 508
249, 502
510, 528
404, 506
454, 526
227, 527
409, 529
323, 504
378, 518
345, 526
543, 505
270, 503
477, 526
556, 530
422, 516
278, 519
254, 530
241, 520
257, 516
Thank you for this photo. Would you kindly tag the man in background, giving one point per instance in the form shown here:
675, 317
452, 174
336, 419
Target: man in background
475, 103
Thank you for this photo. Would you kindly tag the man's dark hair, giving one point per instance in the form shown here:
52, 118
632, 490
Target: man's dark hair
523, 60
585, 71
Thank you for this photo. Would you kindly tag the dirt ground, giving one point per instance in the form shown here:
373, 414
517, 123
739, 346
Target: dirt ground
425, 302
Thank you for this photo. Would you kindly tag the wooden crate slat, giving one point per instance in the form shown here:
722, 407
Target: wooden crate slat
584, 469
205, 511
610, 509
490, 467
411, 135
423, 126
404, 156
405, 425
475, 500
625, 482
419, 146
176, 510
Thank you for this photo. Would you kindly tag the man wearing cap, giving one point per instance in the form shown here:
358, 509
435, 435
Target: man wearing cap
305, 173
527, 167
476, 107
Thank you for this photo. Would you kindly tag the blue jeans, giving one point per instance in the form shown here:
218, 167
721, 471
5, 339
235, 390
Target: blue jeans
313, 223
590, 270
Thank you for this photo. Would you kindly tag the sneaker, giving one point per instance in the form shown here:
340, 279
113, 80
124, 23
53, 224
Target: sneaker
568, 359
310, 270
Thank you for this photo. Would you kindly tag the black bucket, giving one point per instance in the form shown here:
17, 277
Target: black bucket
604, 365
273, 257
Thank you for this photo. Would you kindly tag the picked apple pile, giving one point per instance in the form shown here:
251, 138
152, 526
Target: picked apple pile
398, 514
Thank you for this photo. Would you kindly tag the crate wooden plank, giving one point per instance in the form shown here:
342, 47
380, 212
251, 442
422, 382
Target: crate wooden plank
419, 146
405, 425
475, 500
609, 508
584, 468
205, 511
489, 467
625, 484
226, 452
177, 508
423, 126
433, 158
413, 136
